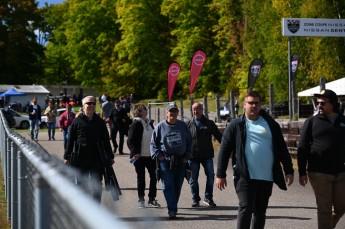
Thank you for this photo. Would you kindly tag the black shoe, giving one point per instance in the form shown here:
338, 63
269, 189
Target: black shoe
195, 204
209, 202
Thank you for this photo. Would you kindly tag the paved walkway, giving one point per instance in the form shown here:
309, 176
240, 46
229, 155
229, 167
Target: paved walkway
292, 209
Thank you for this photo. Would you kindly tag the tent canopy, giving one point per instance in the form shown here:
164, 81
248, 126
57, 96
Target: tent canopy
11, 92
338, 86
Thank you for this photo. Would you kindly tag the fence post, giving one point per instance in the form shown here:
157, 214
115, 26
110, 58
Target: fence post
218, 106
42, 200
14, 185
22, 208
271, 102
232, 105
205, 107
8, 178
181, 109
149, 107
190, 107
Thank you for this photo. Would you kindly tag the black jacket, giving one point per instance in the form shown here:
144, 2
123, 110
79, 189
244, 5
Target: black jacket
116, 117
135, 135
37, 115
233, 144
85, 134
322, 145
202, 146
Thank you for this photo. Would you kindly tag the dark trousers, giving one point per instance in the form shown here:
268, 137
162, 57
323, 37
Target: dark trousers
150, 165
92, 168
121, 131
253, 196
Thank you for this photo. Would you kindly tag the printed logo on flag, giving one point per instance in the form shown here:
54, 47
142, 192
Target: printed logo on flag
255, 70
294, 65
199, 59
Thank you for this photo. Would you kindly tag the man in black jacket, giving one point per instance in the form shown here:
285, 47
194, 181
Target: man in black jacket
87, 131
202, 130
256, 144
321, 147
117, 120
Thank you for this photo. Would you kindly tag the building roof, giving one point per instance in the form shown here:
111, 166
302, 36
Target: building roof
36, 89
338, 86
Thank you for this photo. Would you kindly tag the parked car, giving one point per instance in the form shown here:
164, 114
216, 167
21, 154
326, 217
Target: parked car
20, 121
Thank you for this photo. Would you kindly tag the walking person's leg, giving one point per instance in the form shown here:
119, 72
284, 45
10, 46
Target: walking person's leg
209, 172
113, 138
245, 193
121, 140
194, 166
338, 198
322, 185
263, 191
53, 130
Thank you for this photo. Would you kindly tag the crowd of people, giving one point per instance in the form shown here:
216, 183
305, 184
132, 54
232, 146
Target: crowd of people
254, 142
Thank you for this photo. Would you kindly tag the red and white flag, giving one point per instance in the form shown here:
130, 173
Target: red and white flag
198, 61
173, 72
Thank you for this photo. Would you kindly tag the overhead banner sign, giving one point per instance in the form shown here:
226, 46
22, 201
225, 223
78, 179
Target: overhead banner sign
173, 72
313, 27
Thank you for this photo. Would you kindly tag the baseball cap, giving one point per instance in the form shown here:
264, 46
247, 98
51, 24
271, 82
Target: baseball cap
172, 106
329, 94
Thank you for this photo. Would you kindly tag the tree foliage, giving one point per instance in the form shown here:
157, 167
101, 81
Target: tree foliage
126, 46
20, 53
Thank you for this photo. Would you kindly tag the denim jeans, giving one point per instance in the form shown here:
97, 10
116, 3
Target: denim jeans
253, 196
34, 127
329, 192
172, 181
51, 129
194, 166
65, 133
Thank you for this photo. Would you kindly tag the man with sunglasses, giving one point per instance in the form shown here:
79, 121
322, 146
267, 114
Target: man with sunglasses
257, 146
321, 158
88, 130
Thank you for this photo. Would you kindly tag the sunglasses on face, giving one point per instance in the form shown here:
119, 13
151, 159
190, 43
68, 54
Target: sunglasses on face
90, 103
321, 103
253, 103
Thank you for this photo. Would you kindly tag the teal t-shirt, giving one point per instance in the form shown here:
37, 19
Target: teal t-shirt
259, 149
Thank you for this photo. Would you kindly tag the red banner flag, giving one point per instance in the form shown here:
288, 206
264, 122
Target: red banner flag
174, 70
198, 61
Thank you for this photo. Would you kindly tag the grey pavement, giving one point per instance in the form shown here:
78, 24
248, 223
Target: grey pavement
294, 208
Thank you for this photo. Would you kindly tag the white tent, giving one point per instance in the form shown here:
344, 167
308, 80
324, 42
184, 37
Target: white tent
338, 86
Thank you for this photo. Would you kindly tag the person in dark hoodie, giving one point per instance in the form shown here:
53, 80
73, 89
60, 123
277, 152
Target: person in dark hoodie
202, 131
87, 132
257, 146
321, 152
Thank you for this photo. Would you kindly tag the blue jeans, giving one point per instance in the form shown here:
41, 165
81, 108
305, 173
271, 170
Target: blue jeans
172, 181
34, 127
65, 133
51, 129
194, 166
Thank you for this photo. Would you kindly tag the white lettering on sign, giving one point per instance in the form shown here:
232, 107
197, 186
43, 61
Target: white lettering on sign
313, 27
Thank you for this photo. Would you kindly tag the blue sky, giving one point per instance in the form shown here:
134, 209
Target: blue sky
41, 2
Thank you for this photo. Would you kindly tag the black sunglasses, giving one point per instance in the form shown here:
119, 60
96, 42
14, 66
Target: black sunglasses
321, 103
252, 103
90, 103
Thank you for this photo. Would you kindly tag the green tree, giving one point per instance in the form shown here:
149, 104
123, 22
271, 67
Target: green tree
20, 53
143, 52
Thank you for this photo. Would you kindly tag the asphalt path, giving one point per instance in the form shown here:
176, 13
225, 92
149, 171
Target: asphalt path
292, 209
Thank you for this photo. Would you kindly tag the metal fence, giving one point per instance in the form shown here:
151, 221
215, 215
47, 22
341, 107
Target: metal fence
40, 189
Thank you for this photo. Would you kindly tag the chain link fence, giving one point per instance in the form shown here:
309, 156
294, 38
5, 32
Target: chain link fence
40, 190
